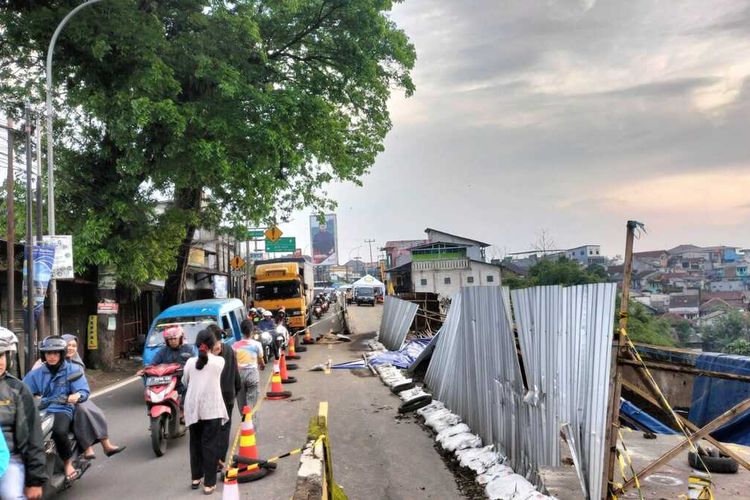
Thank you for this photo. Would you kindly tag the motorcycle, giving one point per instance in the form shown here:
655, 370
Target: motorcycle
164, 404
266, 340
324, 306
58, 481
317, 311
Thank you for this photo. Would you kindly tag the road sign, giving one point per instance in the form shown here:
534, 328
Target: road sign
237, 262
255, 233
273, 234
282, 245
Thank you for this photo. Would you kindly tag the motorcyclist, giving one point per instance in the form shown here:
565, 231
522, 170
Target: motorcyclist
50, 383
252, 314
281, 317
174, 351
267, 323
27, 471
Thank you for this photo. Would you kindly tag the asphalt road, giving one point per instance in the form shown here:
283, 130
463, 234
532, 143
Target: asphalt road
376, 455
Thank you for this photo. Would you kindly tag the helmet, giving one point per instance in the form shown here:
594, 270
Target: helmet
267, 313
53, 343
8, 340
253, 311
172, 332
281, 313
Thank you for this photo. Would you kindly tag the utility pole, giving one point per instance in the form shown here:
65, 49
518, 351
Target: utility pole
39, 231
10, 244
615, 382
30, 288
369, 243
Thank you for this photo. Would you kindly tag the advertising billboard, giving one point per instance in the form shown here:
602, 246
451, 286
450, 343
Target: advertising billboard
323, 238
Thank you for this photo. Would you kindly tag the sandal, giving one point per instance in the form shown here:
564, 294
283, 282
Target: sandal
194, 485
90, 457
73, 476
208, 490
115, 451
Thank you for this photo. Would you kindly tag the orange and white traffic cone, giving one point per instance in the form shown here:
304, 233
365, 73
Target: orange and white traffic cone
231, 490
277, 389
248, 448
308, 338
285, 379
292, 349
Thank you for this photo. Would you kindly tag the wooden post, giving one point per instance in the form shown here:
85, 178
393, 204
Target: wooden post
615, 382
11, 236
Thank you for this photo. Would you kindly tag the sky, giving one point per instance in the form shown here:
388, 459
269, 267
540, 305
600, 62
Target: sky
567, 117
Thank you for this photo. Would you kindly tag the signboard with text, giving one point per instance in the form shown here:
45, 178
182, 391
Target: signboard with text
288, 244
62, 269
323, 237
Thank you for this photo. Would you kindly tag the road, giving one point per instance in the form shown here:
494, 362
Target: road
376, 455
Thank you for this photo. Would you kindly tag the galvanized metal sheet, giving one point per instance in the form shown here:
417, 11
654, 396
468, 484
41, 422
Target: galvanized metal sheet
398, 316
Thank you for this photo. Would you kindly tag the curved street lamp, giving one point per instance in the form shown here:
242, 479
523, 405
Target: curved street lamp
54, 321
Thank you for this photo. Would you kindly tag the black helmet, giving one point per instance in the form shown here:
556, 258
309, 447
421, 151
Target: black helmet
53, 343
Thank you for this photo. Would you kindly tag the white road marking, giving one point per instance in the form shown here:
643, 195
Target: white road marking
116, 386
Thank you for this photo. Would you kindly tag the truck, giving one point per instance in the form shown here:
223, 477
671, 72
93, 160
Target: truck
285, 282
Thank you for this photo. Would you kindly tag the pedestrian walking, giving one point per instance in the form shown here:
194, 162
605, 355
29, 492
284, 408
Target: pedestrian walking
250, 361
205, 411
230, 385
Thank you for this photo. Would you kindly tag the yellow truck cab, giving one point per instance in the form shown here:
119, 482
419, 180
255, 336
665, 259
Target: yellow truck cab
287, 283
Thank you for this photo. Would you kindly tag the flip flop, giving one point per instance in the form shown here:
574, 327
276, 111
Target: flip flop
194, 485
208, 490
90, 457
72, 477
115, 451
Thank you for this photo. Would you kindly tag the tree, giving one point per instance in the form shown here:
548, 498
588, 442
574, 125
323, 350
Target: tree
234, 113
555, 272
730, 329
643, 327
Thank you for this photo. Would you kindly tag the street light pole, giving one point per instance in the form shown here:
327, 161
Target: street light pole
369, 243
54, 321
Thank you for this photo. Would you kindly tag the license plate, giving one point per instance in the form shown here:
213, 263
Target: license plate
158, 380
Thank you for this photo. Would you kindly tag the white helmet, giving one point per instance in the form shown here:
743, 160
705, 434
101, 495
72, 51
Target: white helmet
8, 340
267, 313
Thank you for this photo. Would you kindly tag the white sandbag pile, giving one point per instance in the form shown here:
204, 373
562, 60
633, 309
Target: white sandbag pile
455, 436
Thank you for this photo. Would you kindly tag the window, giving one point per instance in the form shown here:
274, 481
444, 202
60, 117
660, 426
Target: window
490, 279
582, 252
470, 279
225, 323
447, 280
423, 282
399, 280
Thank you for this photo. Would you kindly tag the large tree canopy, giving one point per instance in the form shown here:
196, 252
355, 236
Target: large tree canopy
232, 112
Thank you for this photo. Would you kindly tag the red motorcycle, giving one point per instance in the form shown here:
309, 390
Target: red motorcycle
164, 404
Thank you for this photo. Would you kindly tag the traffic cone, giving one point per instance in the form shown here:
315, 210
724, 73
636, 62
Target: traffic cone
277, 390
285, 379
231, 490
292, 350
308, 338
248, 448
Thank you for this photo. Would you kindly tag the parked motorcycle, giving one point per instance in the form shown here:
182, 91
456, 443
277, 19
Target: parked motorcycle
58, 481
164, 404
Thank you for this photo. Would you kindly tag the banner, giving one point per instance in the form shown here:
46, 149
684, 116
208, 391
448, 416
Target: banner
44, 259
323, 238
63, 266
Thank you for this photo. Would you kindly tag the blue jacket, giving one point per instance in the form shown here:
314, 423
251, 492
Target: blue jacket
167, 355
266, 324
50, 387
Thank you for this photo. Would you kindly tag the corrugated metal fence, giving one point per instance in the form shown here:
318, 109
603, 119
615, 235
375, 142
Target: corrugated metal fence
398, 316
564, 336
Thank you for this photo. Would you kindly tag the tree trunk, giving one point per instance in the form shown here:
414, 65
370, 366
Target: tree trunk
187, 200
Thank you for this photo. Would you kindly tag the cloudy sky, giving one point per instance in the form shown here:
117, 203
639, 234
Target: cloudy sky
569, 116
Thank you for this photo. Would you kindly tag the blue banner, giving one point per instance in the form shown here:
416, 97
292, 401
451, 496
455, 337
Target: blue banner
44, 258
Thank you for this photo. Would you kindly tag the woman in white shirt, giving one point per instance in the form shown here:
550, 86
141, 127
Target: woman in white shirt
205, 411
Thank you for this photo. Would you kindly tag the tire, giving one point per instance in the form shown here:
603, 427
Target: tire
415, 404
721, 465
159, 435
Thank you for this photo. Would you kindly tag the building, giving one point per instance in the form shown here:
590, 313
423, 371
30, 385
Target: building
685, 305
441, 264
586, 255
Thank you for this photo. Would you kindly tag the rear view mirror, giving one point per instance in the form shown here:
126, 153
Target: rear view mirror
185, 355
74, 376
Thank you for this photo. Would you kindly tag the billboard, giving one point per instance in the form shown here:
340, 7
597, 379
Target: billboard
323, 238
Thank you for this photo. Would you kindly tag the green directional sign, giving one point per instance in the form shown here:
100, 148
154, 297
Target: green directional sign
283, 244
256, 233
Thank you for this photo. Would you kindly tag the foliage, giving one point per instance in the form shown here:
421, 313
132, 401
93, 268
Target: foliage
562, 271
728, 333
739, 346
185, 113
645, 328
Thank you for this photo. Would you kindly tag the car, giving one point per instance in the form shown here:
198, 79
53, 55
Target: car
364, 295
193, 317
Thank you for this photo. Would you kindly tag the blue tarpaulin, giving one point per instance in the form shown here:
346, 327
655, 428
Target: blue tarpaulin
644, 419
400, 359
713, 396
